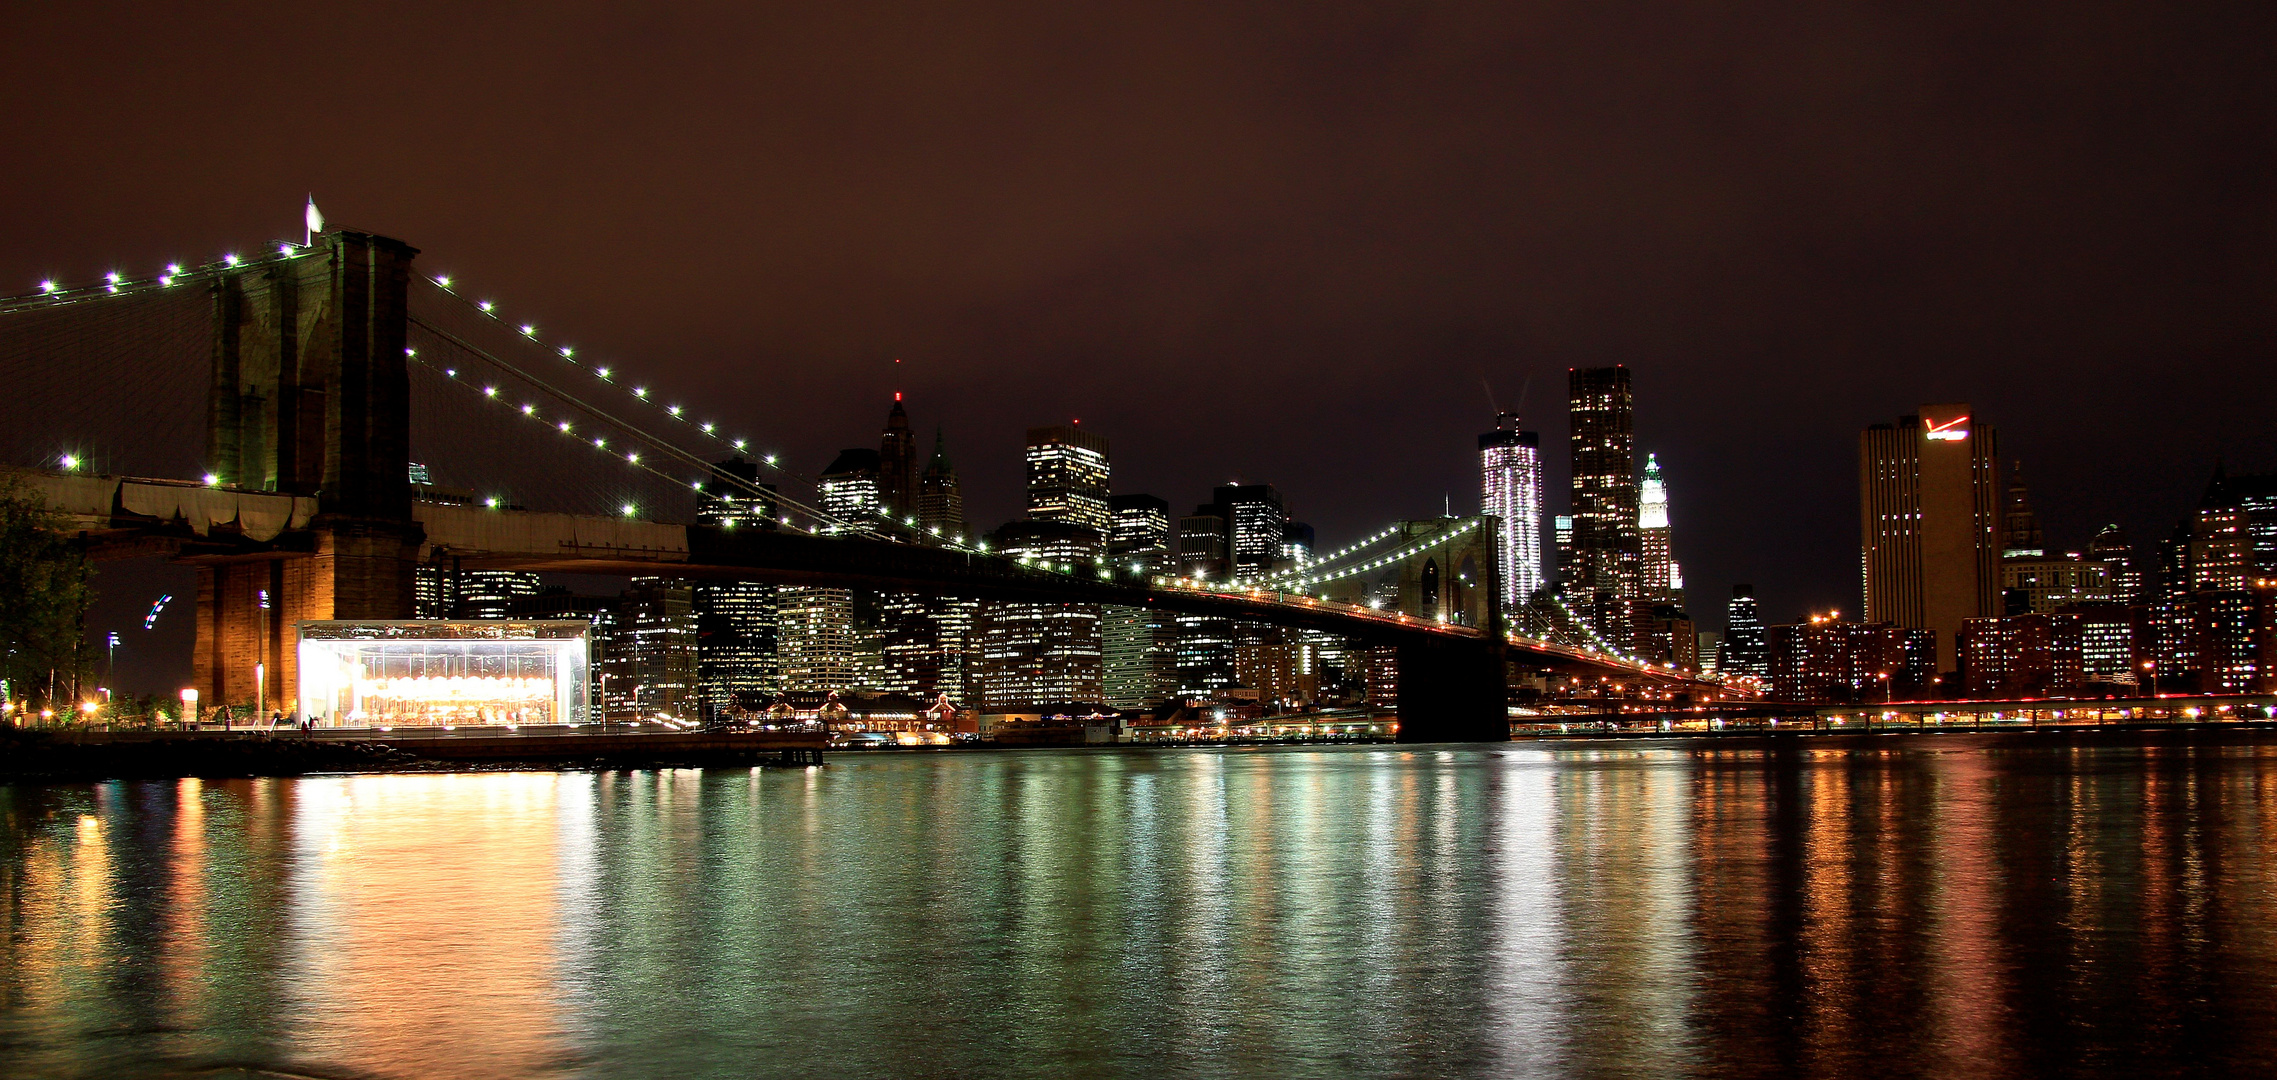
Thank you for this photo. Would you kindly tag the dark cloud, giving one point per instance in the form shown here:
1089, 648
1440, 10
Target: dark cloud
1280, 242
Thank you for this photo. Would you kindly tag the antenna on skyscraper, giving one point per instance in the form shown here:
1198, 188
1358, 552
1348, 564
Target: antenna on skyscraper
1491, 403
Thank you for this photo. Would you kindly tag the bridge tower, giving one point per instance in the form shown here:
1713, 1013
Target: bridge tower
311, 397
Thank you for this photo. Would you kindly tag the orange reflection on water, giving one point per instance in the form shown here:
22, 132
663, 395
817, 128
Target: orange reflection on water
427, 911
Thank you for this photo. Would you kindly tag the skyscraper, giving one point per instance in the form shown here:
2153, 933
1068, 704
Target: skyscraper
1929, 512
1138, 645
817, 641
940, 503
1033, 655
1743, 645
1660, 580
1067, 477
735, 620
1602, 421
651, 661
1510, 489
1255, 523
897, 464
1142, 523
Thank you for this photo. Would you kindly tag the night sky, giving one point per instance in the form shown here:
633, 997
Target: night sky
1289, 243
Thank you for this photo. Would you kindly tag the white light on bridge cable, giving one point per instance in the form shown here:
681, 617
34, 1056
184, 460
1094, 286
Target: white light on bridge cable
47, 286
444, 281
628, 509
229, 260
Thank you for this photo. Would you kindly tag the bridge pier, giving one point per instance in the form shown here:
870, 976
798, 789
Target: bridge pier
1453, 692
310, 396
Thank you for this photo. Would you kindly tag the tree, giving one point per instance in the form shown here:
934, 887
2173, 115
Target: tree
44, 587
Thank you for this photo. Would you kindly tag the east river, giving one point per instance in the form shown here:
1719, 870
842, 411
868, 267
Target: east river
1938, 906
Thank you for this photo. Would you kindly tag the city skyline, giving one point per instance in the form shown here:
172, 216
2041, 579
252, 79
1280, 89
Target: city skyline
1213, 243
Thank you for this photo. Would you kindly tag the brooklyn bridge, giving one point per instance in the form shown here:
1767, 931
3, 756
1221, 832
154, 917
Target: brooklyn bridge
256, 417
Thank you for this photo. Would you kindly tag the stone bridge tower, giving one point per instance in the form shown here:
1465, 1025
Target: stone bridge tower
310, 397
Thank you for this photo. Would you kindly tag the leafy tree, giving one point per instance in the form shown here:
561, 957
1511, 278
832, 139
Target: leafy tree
44, 588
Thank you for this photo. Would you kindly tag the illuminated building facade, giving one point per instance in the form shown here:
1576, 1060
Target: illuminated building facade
924, 645
735, 620
1929, 515
1744, 650
1141, 523
1830, 661
1297, 540
2015, 656
818, 642
1035, 655
455, 592
1660, 580
1139, 656
1510, 489
1203, 548
2045, 584
1256, 525
1601, 408
426, 673
2113, 643
1067, 477
651, 660
1139, 646
1205, 652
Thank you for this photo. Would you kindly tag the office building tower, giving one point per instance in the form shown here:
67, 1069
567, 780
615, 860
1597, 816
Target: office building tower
2114, 643
924, 643
450, 591
1255, 523
2020, 536
1067, 477
1602, 422
1142, 522
2173, 654
1708, 645
1139, 655
1204, 550
1297, 540
1510, 490
817, 643
652, 651
1660, 579
2040, 583
736, 663
940, 502
1743, 642
1929, 513
2124, 574
897, 465
1139, 645
1205, 655
1561, 531
557, 603
1033, 656
849, 492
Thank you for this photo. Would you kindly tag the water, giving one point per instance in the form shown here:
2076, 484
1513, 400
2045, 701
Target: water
1946, 906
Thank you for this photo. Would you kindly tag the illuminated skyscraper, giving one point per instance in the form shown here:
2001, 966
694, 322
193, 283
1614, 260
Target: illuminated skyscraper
1929, 509
816, 637
1256, 522
1067, 477
651, 661
1033, 655
442, 591
1142, 523
1660, 578
1138, 645
1743, 648
1602, 422
735, 620
1510, 489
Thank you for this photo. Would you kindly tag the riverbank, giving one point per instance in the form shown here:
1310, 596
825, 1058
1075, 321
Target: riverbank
80, 757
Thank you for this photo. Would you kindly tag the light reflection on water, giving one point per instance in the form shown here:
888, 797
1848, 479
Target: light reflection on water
1957, 906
